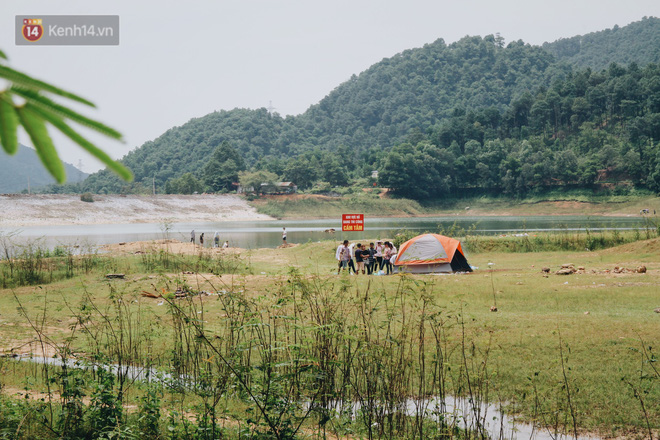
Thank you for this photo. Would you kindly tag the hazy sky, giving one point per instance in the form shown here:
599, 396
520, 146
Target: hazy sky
184, 59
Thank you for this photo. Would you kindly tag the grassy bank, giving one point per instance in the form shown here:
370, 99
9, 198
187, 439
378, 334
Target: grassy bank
561, 240
310, 206
280, 328
369, 203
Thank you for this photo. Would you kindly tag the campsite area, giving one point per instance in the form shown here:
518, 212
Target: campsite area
270, 340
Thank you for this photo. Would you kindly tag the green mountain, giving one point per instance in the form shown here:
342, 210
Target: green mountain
410, 98
24, 166
589, 130
377, 109
639, 42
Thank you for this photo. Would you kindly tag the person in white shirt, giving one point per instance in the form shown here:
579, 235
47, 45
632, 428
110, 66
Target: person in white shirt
341, 255
379, 256
351, 264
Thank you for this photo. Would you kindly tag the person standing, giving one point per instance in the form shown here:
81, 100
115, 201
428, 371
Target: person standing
351, 264
345, 256
387, 254
216, 240
201, 239
379, 256
339, 255
192, 236
283, 235
371, 259
359, 259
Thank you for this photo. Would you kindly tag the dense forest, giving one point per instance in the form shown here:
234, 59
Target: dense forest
639, 42
587, 128
474, 114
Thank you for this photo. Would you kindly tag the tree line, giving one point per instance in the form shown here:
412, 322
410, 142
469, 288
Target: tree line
472, 114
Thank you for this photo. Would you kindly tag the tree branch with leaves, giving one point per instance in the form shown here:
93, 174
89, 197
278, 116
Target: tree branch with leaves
27, 102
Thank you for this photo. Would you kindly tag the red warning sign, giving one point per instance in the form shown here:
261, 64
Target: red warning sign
352, 222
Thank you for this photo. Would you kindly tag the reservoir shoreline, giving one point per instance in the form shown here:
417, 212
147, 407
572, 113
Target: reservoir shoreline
21, 210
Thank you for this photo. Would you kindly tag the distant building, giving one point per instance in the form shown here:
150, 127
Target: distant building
270, 188
244, 190
374, 174
287, 187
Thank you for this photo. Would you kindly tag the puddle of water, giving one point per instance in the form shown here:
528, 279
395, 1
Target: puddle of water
481, 417
129, 372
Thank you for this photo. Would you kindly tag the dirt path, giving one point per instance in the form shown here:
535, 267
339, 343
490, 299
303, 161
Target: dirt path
67, 209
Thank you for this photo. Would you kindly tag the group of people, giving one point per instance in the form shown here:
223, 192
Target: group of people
216, 240
372, 259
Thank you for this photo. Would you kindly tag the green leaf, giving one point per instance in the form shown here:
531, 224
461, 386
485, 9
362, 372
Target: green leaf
36, 129
48, 104
58, 123
8, 125
3, 56
24, 80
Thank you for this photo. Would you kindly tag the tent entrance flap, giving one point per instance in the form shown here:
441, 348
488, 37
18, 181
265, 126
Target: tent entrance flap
459, 263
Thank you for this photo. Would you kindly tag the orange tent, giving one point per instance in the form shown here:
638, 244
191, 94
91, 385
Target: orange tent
431, 253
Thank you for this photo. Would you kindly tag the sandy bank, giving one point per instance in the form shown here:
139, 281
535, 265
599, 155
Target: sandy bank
176, 247
61, 209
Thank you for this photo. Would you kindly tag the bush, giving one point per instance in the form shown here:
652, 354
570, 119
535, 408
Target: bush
403, 235
87, 197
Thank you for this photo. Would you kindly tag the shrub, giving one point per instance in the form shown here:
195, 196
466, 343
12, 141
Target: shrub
87, 197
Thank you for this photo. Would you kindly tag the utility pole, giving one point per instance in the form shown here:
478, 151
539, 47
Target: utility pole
28, 184
153, 183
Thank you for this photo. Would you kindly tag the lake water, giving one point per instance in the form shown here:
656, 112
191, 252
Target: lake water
264, 234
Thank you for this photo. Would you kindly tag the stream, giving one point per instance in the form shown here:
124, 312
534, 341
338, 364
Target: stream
459, 411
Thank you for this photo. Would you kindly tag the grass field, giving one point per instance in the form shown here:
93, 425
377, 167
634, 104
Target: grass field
574, 352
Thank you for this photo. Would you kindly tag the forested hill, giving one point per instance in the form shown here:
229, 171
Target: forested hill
375, 110
420, 87
24, 166
639, 42
398, 99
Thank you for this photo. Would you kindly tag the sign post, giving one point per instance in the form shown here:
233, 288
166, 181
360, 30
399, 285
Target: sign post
352, 222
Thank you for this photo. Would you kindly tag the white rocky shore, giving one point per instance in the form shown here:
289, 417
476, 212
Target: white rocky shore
60, 209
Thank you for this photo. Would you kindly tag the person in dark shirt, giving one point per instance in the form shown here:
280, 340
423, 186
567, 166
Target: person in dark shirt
359, 260
371, 258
